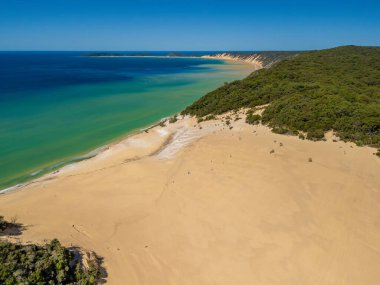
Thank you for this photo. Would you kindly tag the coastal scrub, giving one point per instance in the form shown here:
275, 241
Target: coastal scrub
335, 89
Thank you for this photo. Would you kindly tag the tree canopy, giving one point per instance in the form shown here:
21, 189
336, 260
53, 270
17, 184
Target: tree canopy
48, 264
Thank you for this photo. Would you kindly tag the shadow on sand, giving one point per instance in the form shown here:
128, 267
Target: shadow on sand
11, 228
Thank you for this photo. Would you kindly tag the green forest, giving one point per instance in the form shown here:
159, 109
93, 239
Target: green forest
314, 92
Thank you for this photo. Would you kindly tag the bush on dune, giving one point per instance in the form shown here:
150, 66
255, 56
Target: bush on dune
252, 118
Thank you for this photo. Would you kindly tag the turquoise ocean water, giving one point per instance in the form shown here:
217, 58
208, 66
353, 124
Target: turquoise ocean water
55, 108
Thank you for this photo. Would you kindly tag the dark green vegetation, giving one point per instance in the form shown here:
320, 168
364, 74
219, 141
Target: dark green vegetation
336, 89
173, 119
48, 264
252, 118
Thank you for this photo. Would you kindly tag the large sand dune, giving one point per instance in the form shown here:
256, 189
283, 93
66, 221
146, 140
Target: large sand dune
215, 206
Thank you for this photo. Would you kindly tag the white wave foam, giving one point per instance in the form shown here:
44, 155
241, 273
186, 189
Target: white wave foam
10, 188
36, 172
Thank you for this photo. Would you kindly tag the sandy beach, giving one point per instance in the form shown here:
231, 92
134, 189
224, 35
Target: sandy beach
204, 204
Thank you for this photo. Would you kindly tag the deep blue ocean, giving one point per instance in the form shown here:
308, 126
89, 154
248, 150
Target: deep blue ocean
30, 71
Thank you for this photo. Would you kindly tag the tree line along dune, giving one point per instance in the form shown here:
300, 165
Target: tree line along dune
335, 89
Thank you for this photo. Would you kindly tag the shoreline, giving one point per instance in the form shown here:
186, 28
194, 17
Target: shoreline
141, 56
91, 155
81, 158
250, 61
96, 151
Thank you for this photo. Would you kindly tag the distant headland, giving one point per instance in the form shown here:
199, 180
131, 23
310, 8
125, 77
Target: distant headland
258, 58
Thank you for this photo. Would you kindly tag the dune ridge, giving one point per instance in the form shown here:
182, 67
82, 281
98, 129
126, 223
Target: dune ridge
253, 59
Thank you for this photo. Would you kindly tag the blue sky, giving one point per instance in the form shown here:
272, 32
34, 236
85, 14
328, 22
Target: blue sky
186, 25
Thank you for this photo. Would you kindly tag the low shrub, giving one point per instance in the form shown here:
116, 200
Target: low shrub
253, 119
210, 117
315, 134
280, 130
173, 119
